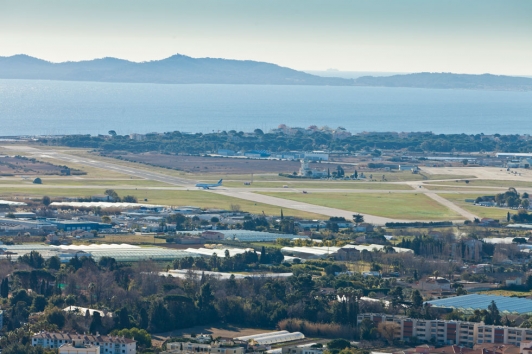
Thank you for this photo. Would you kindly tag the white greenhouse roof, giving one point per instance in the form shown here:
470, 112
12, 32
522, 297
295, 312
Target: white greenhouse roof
220, 252
183, 273
260, 335
254, 236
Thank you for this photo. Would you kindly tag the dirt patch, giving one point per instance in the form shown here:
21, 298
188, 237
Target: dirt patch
215, 165
20, 165
224, 331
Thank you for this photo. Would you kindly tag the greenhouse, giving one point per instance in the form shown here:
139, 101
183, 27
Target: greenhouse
121, 253
220, 252
260, 335
253, 236
279, 338
472, 302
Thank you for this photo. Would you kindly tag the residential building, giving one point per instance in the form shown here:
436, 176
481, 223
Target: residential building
301, 349
106, 344
452, 332
217, 347
79, 348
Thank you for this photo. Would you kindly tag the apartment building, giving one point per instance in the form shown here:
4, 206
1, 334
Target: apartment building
451, 332
106, 344
213, 348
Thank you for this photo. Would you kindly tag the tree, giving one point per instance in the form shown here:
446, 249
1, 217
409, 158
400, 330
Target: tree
38, 304
53, 263
417, 299
123, 318
106, 219
461, 291
130, 199
4, 288
37, 181
112, 133
46, 201
338, 344
33, 259
96, 323
358, 218
142, 337
493, 317
91, 288
112, 194
387, 330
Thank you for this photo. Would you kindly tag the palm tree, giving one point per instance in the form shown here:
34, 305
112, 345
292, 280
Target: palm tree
357, 218
91, 288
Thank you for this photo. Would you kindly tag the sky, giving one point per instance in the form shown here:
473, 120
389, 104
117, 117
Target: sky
473, 36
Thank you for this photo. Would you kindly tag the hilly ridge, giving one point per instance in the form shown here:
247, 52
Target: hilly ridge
181, 69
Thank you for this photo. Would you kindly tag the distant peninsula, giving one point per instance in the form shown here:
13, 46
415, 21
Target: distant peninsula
181, 69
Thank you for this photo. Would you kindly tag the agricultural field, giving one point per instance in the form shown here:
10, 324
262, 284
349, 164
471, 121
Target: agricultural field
403, 206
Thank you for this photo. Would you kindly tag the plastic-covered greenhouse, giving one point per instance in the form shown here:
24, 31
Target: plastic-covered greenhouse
279, 338
254, 236
121, 253
260, 335
472, 302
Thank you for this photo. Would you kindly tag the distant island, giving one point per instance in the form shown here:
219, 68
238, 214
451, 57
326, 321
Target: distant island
181, 69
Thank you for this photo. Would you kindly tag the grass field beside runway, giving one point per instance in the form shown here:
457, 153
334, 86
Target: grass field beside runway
482, 212
487, 183
197, 198
405, 206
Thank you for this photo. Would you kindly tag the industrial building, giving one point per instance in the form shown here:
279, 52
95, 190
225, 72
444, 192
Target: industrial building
451, 332
79, 225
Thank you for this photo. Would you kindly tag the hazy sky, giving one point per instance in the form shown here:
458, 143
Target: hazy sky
464, 36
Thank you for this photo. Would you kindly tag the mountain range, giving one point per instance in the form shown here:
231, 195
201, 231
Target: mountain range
181, 69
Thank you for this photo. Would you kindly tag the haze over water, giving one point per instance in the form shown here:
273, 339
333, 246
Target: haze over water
29, 107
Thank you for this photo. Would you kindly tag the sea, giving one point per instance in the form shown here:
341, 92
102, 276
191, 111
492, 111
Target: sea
35, 107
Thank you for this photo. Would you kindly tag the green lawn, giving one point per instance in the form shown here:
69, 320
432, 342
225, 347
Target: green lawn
398, 206
464, 189
488, 183
165, 197
483, 212
72, 181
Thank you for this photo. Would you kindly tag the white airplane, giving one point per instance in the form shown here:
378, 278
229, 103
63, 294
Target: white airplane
209, 185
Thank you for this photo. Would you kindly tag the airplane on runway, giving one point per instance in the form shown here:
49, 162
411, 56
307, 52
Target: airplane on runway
209, 185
